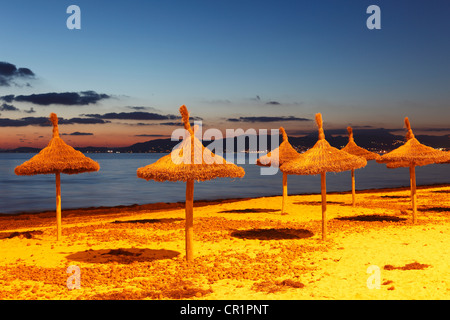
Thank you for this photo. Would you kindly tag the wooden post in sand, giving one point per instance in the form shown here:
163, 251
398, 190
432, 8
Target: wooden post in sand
320, 159
189, 220
283, 206
323, 188
57, 158
58, 206
412, 175
179, 165
411, 154
353, 188
275, 158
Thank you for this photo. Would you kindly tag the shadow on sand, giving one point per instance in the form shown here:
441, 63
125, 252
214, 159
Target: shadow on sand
23, 234
272, 234
310, 203
163, 220
252, 210
434, 209
123, 256
395, 197
372, 217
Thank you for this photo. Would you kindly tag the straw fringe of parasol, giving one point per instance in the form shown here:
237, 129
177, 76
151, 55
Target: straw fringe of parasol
184, 165
411, 154
356, 150
57, 158
322, 158
448, 154
284, 153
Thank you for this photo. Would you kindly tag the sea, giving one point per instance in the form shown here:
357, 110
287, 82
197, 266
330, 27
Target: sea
116, 183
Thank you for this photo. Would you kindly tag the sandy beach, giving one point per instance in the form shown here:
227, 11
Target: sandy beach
243, 249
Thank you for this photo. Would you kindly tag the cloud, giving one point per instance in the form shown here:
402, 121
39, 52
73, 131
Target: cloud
45, 121
267, 119
217, 101
140, 124
8, 98
151, 135
273, 103
76, 133
362, 127
8, 107
62, 98
28, 121
30, 111
9, 73
82, 121
137, 115
176, 124
257, 98
172, 124
140, 108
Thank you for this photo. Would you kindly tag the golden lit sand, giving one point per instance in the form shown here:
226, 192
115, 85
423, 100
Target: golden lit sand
243, 249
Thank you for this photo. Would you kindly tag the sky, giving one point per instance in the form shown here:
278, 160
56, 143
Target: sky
122, 77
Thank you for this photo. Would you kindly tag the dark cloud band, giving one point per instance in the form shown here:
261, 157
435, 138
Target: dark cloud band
76, 133
62, 98
45, 122
267, 119
8, 107
137, 115
9, 73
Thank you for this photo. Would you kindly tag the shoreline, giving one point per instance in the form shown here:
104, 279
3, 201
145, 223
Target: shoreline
158, 206
26, 219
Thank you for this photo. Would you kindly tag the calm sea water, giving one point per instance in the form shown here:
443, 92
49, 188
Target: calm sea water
117, 184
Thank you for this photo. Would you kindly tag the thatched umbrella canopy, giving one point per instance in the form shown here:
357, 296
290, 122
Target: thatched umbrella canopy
320, 159
284, 153
183, 165
448, 153
57, 158
356, 150
411, 154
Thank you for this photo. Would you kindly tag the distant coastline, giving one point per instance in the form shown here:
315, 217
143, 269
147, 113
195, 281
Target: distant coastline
379, 141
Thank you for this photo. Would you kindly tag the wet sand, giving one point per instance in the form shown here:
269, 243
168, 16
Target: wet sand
243, 248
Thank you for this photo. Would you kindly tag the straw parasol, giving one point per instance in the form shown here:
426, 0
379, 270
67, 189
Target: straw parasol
183, 165
284, 153
448, 154
57, 158
411, 154
356, 150
320, 159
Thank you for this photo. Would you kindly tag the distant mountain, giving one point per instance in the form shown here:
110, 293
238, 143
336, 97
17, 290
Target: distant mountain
377, 140
23, 150
157, 145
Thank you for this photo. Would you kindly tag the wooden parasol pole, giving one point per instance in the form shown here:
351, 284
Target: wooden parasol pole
190, 199
323, 187
283, 206
353, 188
189, 220
58, 205
412, 175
